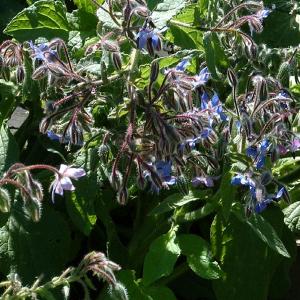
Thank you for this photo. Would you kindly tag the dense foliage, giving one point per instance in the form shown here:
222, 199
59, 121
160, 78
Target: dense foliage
164, 134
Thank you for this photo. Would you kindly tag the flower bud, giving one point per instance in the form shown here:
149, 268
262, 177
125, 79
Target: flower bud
117, 61
20, 74
231, 78
45, 124
122, 196
116, 180
5, 201
154, 71
34, 209
39, 73
75, 134
141, 11
110, 46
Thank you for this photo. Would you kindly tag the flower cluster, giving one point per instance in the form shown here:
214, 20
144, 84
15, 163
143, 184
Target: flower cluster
258, 198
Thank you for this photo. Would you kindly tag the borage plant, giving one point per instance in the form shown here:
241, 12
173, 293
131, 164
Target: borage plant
168, 134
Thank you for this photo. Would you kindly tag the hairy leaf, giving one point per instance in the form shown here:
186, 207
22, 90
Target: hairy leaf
292, 216
42, 19
9, 152
177, 200
165, 10
199, 256
32, 249
161, 258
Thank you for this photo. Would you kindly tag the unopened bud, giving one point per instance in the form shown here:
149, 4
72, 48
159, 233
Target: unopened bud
33, 208
141, 11
5, 201
116, 180
231, 78
117, 61
45, 124
39, 73
110, 46
154, 71
122, 196
20, 74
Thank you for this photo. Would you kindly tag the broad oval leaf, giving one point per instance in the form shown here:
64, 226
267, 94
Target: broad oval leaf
165, 10
292, 216
161, 258
199, 256
44, 18
177, 200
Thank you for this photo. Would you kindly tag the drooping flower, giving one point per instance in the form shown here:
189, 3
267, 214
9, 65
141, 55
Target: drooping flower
259, 198
181, 66
259, 153
164, 169
43, 52
148, 38
63, 181
201, 78
263, 13
213, 106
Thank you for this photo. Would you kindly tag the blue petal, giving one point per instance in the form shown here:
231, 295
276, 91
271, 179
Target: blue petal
182, 65
170, 180
261, 206
203, 71
155, 40
215, 100
223, 116
142, 37
53, 136
163, 168
280, 193
237, 180
238, 125
205, 133
264, 145
251, 151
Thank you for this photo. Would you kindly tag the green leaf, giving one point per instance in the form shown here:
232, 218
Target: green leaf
292, 216
105, 19
177, 200
165, 10
247, 261
32, 249
267, 234
161, 258
87, 5
199, 256
210, 54
226, 194
8, 99
45, 18
281, 28
9, 152
80, 204
186, 38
